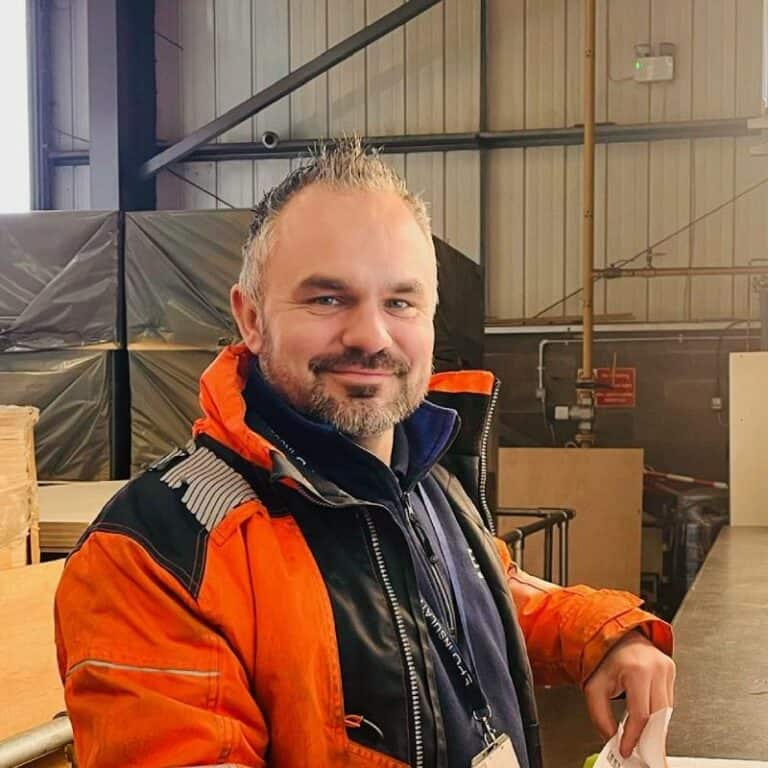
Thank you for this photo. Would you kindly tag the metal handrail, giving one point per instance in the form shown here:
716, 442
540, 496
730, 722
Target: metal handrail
549, 518
27, 746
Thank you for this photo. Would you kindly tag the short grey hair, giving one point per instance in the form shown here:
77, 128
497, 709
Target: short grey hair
345, 164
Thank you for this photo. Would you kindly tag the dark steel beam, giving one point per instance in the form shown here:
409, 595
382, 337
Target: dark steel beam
287, 84
448, 142
121, 91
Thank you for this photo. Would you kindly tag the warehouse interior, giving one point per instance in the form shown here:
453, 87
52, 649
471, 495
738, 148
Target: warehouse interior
596, 174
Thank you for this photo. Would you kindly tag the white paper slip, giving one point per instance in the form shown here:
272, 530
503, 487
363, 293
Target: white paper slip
650, 751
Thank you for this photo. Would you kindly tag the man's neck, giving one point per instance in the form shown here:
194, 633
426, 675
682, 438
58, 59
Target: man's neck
379, 445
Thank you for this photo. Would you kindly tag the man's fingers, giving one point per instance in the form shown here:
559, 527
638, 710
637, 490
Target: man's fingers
600, 711
638, 708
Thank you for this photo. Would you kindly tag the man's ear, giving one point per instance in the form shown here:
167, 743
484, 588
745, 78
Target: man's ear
248, 319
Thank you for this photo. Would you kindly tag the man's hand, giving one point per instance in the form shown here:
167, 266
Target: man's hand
636, 667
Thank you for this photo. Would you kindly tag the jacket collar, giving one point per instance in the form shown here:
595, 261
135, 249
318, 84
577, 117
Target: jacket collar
224, 419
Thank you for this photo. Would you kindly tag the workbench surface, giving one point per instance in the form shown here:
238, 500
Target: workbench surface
721, 639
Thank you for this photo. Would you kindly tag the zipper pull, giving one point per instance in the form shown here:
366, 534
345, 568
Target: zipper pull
357, 721
418, 529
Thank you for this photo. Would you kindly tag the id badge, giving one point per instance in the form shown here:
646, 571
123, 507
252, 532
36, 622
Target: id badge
501, 754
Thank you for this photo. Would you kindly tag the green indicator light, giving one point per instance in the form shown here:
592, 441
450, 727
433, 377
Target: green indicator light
637, 64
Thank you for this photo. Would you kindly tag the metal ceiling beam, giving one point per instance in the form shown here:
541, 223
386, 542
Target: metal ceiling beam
285, 85
449, 142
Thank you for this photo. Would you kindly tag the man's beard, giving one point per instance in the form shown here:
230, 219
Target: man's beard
359, 414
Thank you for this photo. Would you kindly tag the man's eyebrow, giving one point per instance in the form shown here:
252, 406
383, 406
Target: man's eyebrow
323, 283
408, 286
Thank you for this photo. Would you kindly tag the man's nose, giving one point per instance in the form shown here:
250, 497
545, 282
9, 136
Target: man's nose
366, 329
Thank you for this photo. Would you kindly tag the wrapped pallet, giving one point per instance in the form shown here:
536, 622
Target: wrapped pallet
18, 486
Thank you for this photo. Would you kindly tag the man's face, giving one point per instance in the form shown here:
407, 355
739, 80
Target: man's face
345, 332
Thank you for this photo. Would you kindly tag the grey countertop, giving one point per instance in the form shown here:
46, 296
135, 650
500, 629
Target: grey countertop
721, 636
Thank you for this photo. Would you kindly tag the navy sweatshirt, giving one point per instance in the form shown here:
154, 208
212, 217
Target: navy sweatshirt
418, 443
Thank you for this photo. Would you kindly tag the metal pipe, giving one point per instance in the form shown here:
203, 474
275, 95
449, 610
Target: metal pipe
447, 142
588, 202
286, 85
35, 743
615, 272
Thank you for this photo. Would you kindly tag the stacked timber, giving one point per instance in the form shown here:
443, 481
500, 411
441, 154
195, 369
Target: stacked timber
18, 486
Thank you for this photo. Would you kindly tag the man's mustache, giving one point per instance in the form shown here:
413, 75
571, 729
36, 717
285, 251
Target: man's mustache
381, 361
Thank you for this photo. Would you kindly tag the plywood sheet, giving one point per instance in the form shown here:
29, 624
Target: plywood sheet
31, 693
748, 438
604, 486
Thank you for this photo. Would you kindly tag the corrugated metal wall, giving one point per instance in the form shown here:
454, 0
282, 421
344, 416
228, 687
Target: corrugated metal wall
425, 78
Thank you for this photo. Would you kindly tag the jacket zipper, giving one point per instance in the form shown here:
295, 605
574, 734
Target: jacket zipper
405, 646
483, 480
418, 736
438, 582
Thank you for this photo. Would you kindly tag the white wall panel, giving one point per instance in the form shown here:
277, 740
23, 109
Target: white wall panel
574, 216
545, 63
628, 24
670, 209
69, 54
197, 84
168, 54
346, 81
627, 225
267, 174
425, 176
544, 277
234, 184
506, 64
462, 65
271, 61
462, 202
714, 43
713, 238
505, 262
309, 38
424, 82
63, 188
233, 65
749, 64
385, 75
751, 213
672, 22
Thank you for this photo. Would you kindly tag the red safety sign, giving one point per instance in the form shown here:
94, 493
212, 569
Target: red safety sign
623, 387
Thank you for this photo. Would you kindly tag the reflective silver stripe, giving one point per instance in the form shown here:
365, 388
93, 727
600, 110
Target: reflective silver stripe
213, 487
133, 668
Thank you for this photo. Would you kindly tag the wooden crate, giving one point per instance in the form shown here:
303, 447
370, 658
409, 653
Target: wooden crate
19, 515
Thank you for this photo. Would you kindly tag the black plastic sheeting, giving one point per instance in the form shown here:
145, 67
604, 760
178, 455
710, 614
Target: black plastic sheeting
164, 401
180, 266
59, 285
73, 391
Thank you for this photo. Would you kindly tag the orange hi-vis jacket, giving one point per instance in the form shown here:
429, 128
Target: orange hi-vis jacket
195, 627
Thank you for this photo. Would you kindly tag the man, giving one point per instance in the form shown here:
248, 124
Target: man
305, 584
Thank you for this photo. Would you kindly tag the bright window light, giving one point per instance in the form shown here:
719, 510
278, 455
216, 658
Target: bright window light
14, 121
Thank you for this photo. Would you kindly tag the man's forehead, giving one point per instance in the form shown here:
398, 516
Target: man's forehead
337, 282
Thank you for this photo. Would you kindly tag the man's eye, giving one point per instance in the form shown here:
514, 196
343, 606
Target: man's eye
399, 304
326, 301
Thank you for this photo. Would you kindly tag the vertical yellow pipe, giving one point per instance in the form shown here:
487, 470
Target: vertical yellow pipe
588, 224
